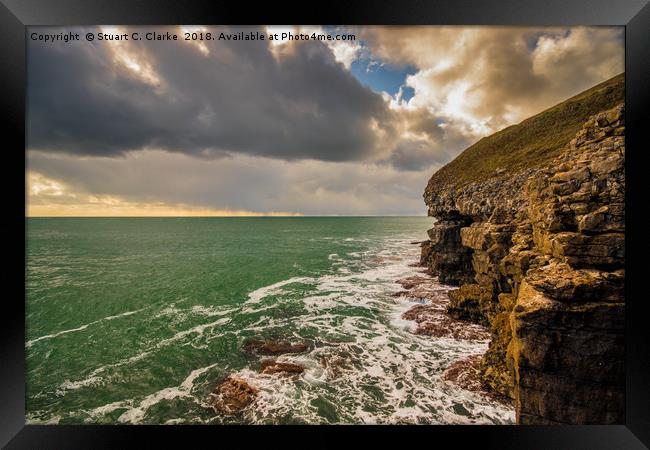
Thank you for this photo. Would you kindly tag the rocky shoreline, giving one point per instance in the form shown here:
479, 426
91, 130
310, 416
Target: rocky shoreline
430, 311
234, 394
538, 257
431, 314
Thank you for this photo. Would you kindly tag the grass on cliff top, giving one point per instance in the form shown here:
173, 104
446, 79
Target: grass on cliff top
530, 143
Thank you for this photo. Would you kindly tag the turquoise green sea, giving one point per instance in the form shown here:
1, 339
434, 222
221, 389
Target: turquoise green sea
135, 320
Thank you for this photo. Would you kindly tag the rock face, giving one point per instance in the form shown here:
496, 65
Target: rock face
538, 256
446, 257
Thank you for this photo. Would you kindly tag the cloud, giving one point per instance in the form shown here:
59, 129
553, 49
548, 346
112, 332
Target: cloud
51, 198
427, 139
414, 155
242, 182
575, 60
255, 127
232, 97
481, 79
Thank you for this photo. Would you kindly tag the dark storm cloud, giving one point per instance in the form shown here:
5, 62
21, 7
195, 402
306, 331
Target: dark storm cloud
238, 99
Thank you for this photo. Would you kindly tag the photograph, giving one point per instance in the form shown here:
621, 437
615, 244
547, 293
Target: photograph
309, 225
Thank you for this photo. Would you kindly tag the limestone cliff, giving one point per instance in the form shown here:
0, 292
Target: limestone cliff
536, 247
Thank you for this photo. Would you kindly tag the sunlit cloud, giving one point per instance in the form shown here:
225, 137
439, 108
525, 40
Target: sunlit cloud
198, 37
485, 78
127, 57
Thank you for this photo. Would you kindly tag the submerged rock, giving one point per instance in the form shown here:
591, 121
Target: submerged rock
338, 363
421, 288
271, 347
432, 320
271, 366
411, 282
429, 314
466, 374
232, 395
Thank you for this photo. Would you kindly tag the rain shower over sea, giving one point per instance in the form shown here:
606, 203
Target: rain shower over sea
136, 320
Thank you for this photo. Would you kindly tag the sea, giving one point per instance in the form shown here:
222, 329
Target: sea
136, 320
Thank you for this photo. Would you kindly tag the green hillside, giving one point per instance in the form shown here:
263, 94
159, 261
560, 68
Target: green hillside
530, 143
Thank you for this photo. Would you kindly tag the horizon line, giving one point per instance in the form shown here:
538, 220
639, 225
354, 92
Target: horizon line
226, 216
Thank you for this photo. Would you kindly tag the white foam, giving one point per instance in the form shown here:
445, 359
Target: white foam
82, 327
101, 411
211, 311
136, 414
198, 330
68, 385
263, 292
52, 420
93, 379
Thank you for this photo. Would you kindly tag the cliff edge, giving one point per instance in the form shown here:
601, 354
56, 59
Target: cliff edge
531, 227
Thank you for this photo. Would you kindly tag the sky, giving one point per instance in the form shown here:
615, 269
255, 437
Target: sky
341, 127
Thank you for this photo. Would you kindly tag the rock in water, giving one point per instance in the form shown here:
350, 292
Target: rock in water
270, 347
431, 320
232, 395
411, 282
271, 366
465, 373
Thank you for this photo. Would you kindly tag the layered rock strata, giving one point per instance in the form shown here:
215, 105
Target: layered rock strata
538, 256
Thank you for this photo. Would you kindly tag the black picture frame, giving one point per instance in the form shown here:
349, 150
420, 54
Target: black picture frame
16, 15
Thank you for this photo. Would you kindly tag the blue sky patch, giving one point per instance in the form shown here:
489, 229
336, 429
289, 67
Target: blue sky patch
383, 77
